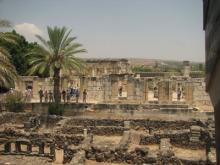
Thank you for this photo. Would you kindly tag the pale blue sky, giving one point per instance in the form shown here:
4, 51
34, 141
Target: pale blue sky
159, 29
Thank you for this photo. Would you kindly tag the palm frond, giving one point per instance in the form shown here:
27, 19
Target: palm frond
58, 52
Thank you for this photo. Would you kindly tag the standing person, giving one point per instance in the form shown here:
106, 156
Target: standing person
26, 95
41, 94
50, 96
46, 96
64, 95
68, 96
120, 90
74, 93
77, 95
30, 93
178, 94
84, 95
71, 92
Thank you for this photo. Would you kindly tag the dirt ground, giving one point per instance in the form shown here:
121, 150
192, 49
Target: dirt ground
152, 147
190, 154
90, 162
114, 140
23, 160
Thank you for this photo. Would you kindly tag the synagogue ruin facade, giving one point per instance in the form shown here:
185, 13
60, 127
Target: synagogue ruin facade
111, 80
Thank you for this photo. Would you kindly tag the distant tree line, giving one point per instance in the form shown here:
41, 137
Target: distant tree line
167, 67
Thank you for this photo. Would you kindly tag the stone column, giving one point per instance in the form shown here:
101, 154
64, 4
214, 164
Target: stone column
41, 148
186, 68
150, 130
127, 124
145, 90
7, 147
188, 92
36, 88
65, 152
114, 90
52, 150
164, 91
85, 133
29, 148
17, 146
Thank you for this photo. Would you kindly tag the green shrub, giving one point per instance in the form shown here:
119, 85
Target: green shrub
55, 109
15, 101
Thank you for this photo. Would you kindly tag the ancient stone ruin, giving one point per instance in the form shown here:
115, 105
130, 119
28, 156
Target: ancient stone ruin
134, 140
129, 118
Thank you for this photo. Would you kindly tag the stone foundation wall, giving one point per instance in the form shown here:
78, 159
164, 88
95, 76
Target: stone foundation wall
59, 139
97, 130
14, 118
135, 124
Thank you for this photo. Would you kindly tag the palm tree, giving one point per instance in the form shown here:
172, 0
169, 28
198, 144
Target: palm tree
55, 56
7, 71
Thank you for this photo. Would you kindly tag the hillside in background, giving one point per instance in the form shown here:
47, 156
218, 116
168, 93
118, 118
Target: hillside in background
158, 65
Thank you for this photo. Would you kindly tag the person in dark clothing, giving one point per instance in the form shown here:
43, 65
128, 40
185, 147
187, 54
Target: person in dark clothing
68, 95
41, 94
77, 95
179, 94
120, 91
84, 95
64, 95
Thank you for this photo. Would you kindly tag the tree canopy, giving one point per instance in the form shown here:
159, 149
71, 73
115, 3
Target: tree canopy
8, 72
18, 51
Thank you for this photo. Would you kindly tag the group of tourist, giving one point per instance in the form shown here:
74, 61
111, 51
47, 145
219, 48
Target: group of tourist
47, 95
72, 93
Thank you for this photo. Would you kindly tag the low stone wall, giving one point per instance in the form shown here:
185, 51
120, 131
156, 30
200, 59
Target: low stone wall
14, 118
96, 130
21, 118
130, 110
41, 107
50, 120
161, 124
59, 139
95, 122
181, 139
175, 138
119, 155
134, 124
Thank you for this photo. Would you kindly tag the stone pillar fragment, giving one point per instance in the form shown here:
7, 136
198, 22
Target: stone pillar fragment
85, 133
29, 148
41, 148
7, 147
164, 91
188, 92
65, 153
52, 151
145, 90
127, 124
17, 146
150, 130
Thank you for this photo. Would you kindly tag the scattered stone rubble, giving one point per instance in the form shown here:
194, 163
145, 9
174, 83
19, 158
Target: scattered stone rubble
75, 137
